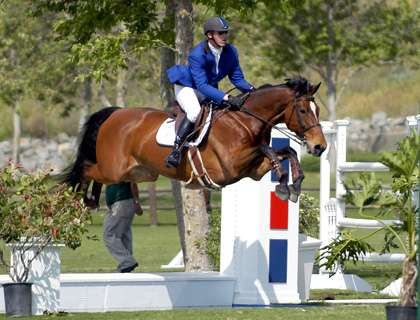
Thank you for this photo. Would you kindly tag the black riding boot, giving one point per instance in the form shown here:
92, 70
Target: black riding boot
184, 129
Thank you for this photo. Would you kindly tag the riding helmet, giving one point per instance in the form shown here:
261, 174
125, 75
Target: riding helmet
215, 23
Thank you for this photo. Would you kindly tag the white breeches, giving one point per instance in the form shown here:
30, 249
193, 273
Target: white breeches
188, 99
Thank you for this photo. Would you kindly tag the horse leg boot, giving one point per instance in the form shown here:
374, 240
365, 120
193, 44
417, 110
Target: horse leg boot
174, 158
282, 191
297, 175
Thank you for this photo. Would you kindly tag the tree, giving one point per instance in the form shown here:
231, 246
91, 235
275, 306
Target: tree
336, 39
89, 25
28, 62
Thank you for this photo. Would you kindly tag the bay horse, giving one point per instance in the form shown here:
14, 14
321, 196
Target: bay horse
118, 144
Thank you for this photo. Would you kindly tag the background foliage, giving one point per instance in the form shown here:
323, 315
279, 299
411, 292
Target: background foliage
45, 80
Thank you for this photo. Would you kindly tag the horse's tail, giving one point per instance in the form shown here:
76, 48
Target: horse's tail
86, 141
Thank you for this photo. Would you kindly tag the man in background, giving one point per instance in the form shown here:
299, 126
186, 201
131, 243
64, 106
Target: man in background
122, 200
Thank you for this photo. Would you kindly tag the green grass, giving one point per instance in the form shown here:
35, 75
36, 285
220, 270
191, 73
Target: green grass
300, 313
152, 247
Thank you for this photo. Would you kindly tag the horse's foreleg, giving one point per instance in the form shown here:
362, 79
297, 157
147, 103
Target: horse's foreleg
297, 172
282, 190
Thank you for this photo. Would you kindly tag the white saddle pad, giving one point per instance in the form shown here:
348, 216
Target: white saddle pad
165, 136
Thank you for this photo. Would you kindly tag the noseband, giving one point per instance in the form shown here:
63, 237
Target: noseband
303, 129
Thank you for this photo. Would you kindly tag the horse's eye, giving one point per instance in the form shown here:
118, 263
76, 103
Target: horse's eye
303, 111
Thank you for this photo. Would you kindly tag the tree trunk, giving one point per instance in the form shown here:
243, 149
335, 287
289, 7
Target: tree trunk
184, 37
331, 99
121, 87
331, 69
193, 222
87, 102
167, 97
102, 95
166, 90
168, 60
409, 284
179, 210
17, 130
196, 224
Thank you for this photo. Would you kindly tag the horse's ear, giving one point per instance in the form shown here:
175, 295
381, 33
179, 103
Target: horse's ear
315, 88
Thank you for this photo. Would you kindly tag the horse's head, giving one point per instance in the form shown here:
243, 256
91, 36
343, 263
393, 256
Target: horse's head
301, 115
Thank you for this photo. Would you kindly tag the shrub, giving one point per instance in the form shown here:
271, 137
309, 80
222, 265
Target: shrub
33, 216
308, 215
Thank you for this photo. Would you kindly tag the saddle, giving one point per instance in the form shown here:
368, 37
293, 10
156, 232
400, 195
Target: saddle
178, 114
166, 136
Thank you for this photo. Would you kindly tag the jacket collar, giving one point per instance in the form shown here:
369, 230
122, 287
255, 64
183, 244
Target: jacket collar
207, 47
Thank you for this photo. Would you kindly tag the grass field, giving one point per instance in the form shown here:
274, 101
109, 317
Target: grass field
300, 313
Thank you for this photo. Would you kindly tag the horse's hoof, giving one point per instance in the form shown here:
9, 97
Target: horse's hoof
294, 196
282, 193
91, 204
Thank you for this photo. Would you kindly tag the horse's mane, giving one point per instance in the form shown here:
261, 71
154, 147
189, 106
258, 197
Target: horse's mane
297, 83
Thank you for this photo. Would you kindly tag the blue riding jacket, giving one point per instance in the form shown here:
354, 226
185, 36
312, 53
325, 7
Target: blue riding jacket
201, 71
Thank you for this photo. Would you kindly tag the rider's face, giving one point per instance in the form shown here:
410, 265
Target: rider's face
218, 39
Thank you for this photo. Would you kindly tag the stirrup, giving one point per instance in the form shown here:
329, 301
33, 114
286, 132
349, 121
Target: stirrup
173, 159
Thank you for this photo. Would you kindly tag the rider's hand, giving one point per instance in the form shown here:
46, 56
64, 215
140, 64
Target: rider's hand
235, 101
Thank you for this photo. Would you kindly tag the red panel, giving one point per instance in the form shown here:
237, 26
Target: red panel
279, 212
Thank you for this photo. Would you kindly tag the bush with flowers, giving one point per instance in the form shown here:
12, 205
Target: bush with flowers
34, 214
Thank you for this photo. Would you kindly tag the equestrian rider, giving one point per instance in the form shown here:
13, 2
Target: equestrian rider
208, 63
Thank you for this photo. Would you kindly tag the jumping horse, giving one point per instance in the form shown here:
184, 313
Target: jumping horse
119, 144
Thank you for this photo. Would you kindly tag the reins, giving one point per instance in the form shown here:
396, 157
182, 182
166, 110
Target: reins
300, 140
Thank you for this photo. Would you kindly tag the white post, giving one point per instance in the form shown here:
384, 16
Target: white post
325, 184
262, 254
414, 123
341, 148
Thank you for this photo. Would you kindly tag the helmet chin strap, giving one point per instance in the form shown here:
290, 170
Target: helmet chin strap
211, 32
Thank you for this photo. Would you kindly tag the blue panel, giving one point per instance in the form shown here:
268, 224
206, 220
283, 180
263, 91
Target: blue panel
277, 270
280, 143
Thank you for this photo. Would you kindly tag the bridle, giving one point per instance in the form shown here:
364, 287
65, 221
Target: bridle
301, 140
303, 129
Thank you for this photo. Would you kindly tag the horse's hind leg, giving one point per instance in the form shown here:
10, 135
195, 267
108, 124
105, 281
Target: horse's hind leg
96, 192
93, 201
91, 172
282, 191
297, 172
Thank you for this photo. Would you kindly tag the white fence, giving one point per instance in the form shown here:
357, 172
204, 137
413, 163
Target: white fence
332, 210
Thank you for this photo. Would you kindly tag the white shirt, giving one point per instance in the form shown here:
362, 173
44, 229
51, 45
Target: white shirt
216, 53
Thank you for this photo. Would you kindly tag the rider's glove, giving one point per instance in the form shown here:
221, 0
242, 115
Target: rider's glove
235, 101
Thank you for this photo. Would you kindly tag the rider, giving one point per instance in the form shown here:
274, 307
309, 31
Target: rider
208, 63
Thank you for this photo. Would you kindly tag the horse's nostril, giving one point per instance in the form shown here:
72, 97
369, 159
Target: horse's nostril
318, 150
